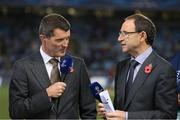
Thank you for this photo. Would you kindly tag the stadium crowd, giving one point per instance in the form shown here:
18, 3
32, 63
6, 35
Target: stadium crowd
93, 38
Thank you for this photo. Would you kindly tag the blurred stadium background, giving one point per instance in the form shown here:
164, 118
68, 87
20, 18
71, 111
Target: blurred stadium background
95, 26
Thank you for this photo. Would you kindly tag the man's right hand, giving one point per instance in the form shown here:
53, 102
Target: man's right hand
178, 99
101, 110
56, 89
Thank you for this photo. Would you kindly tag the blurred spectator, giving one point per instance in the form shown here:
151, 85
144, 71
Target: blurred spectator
93, 37
175, 60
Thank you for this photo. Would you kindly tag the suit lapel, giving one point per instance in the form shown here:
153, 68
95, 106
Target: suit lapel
68, 80
140, 78
65, 94
39, 70
121, 83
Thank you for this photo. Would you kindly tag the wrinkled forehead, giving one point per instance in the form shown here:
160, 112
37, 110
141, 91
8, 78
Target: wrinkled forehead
128, 26
60, 34
59, 31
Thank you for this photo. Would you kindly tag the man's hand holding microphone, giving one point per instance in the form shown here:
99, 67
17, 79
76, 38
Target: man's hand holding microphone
116, 115
55, 90
105, 107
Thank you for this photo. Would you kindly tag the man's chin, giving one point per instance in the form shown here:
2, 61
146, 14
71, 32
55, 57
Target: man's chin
124, 50
60, 54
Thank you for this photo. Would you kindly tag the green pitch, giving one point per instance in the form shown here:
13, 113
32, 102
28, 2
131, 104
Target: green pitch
4, 114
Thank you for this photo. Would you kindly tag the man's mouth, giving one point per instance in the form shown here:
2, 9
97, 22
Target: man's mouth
123, 44
61, 50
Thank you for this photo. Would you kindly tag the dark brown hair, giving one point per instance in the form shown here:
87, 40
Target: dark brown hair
51, 22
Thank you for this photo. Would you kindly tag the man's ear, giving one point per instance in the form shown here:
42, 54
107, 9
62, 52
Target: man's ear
42, 37
143, 35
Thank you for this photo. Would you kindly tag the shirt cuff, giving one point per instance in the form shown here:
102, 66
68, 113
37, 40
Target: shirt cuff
126, 113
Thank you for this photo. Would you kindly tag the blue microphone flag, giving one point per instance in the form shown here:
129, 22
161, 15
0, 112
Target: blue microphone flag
66, 64
96, 88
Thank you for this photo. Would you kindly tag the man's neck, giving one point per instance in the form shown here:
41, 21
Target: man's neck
140, 51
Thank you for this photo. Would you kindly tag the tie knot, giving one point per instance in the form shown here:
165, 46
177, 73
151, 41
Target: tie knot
54, 61
134, 63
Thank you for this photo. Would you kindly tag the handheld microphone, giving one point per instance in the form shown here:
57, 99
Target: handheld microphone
102, 95
96, 88
66, 66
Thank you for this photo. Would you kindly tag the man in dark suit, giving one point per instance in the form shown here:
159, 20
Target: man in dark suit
32, 94
145, 83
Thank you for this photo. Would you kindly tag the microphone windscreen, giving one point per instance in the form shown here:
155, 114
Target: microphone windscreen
96, 88
66, 64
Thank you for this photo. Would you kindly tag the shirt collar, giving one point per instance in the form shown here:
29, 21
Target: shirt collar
142, 57
46, 57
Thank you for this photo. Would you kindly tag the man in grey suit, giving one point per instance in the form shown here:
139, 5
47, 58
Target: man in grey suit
32, 94
145, 83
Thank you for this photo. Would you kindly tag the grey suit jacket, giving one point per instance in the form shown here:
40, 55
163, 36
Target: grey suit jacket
28, 97
153, 95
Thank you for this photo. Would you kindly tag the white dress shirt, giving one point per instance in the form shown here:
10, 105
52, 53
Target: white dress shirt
140, 59
46, 59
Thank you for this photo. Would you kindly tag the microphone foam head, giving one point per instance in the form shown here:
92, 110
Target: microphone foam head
96, 88
66, 64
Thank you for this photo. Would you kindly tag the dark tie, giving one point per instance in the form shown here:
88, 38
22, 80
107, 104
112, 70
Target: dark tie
129, 83
55, 75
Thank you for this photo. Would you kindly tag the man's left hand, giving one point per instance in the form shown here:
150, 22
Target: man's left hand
117, 115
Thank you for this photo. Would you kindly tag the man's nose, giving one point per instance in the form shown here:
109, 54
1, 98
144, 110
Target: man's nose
65, 43
120, 38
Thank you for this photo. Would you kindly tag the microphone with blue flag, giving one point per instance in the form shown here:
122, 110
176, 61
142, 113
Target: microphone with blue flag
102, 95
96, 88
66, 66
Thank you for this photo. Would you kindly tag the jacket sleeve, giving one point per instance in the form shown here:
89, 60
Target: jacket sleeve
86, 99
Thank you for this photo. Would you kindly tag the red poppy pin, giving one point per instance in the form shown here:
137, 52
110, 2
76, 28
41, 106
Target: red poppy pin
148, 69
71, 70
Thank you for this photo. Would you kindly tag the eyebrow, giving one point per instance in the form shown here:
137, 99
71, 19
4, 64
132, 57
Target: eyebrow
61, 39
